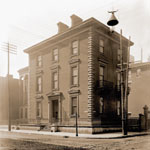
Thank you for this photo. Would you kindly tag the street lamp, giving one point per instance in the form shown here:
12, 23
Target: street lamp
124, 104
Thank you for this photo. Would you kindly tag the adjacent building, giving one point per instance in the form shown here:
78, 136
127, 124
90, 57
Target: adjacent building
74, 73
139, 80
23, 95
14, 99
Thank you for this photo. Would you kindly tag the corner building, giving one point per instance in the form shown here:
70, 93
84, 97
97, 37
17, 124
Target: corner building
75, 72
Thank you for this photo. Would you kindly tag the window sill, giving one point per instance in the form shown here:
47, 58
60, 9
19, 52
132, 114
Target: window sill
76, 85
54, 61
38, 117
73, 55
55, 89
37, 92
39, 67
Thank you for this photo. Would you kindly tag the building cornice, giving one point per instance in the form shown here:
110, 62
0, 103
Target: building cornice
57, 37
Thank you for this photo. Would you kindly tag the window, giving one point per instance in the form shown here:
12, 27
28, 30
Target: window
21, 113
39, 61
129, 76
119, 55
73, 105
74, 72
55, 80
101, 105
74, 47
138, 72
101, 46
118, 80
55, 55
101, 76
26, 113
118, 108
39, 84
38, 109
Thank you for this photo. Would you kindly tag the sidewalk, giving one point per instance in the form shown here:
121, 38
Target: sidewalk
91, 136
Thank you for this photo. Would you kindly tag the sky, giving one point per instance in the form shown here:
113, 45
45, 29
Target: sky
27, 22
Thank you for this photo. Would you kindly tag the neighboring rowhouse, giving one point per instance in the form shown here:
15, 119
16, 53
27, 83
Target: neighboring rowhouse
14, 99
139, 78
23, 95
75, 72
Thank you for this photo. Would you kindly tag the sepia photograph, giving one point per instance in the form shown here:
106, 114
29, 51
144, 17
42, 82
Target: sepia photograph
74, 75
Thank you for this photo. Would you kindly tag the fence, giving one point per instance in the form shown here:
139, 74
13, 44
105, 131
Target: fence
141, 123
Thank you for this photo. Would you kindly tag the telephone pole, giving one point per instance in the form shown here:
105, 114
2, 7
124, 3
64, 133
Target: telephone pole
10, 49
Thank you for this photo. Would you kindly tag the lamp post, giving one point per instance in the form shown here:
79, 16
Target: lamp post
76, 124
124, 86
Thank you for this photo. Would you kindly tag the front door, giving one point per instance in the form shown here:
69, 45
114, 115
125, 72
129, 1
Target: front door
55, 110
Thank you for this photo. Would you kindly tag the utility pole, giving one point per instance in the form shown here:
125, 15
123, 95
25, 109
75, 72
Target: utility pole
9, 48
126, 87
122, 86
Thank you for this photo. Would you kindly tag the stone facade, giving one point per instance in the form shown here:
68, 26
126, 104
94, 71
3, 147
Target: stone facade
70, 61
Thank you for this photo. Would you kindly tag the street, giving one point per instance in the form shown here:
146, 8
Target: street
23, 141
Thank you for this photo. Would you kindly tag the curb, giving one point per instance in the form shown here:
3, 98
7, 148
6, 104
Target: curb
120, 137
86, 137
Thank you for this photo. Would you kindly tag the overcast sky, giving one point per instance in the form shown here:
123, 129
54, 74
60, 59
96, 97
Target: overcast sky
26, 22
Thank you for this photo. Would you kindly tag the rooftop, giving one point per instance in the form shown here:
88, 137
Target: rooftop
67, 30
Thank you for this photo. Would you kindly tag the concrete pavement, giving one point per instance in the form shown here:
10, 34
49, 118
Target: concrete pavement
67, 135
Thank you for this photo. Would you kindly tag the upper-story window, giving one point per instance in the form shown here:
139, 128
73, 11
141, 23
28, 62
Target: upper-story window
39, 84
101, 76
101, 46
74, 74
55, 80
55, 54
74, 47
39, 61
119, 55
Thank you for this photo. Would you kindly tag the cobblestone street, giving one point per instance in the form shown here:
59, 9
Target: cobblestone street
22, 141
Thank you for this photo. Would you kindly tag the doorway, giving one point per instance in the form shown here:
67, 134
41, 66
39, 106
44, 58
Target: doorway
55, 110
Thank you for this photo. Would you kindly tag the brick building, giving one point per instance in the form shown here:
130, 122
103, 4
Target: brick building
14, 99
23, 95
75, 71
139, 78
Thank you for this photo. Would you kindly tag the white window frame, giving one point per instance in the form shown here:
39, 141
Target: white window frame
39, 109
75, 47
54, 80
39, 61
138, 72
101, 75
39, 84
73, 76
119, 55
55, 54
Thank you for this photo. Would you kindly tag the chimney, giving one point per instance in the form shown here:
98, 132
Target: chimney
62, 27
75, 20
